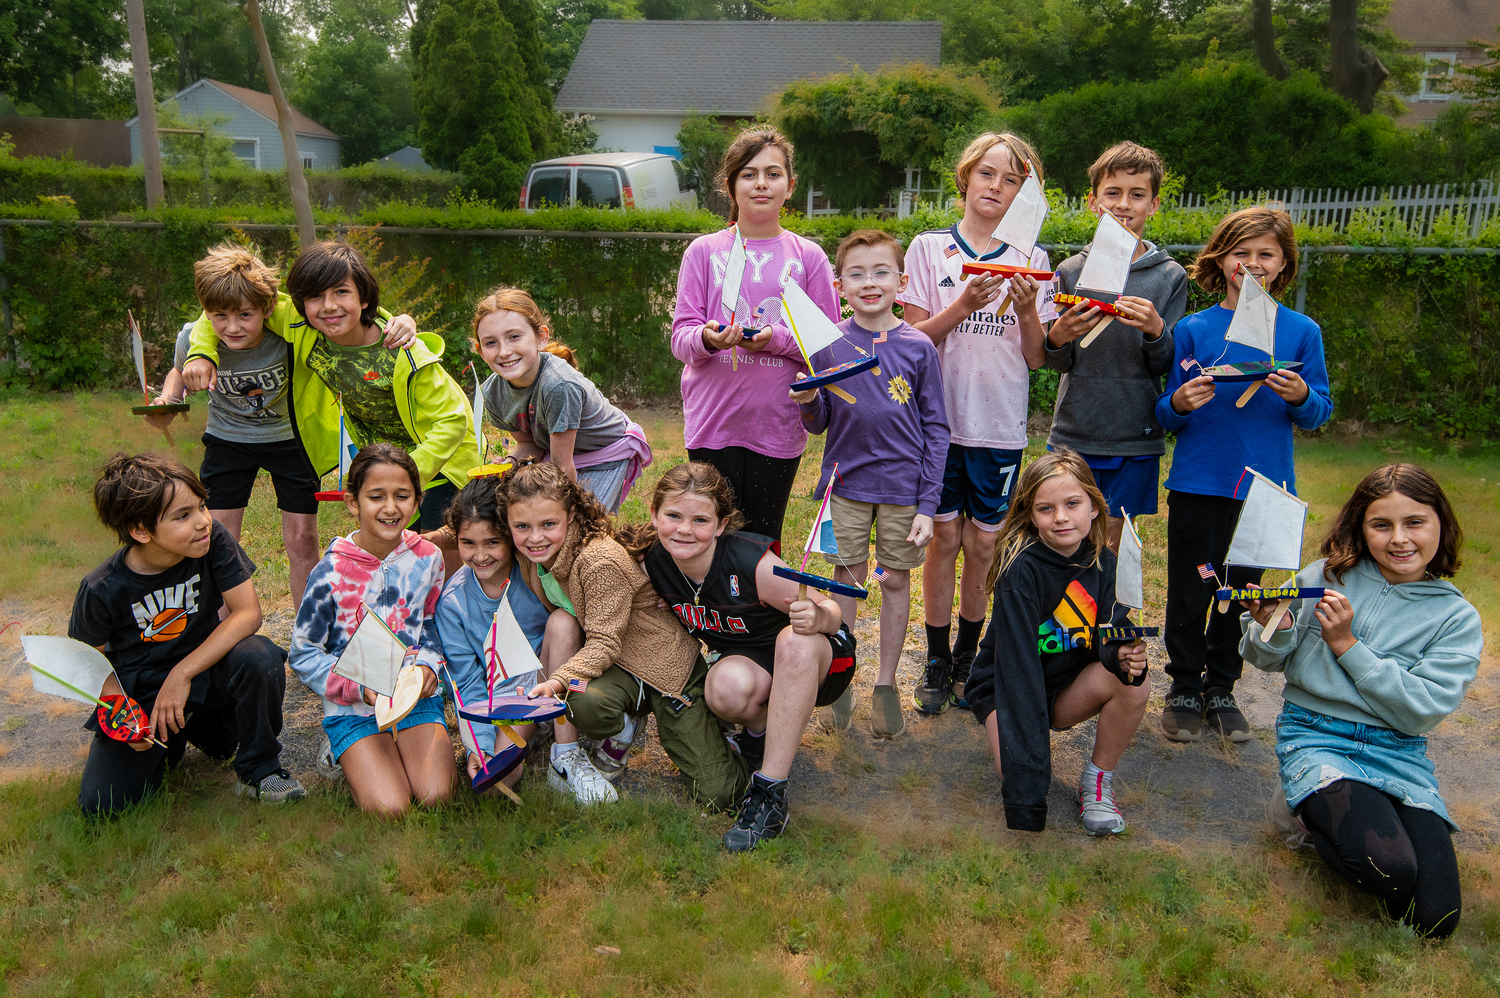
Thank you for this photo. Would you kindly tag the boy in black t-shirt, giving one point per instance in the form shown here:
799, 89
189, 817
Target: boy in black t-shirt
153, 609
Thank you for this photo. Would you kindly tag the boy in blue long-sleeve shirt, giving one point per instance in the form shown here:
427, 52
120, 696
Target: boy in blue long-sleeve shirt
1215, 443
890, 449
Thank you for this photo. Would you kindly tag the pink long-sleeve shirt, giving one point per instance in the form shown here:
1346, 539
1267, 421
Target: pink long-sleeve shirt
722, 407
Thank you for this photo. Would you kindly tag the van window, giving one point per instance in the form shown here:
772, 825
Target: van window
549, 185
598, 188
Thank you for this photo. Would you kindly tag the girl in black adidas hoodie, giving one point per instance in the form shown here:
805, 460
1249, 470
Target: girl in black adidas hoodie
1041, 664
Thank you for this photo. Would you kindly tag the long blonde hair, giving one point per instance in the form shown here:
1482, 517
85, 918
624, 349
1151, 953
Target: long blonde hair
1018, 532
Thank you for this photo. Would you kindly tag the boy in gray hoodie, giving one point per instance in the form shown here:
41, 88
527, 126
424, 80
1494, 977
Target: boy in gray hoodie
1107, 399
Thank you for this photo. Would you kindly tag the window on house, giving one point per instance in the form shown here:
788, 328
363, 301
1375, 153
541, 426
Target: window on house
1437, 80
307, 162
244, 151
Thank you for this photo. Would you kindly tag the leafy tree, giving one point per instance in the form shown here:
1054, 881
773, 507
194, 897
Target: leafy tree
702, 140
357, 79
199, 153
1481, 84
576, 134
192, 40
565, 22
480, 90
52, 54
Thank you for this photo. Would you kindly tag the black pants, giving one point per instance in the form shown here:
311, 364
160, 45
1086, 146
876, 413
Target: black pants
1199, 529
241, 711
1401, 855
435, 501
762, 485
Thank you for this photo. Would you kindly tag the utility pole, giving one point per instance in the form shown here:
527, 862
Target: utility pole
300, 201
145, 101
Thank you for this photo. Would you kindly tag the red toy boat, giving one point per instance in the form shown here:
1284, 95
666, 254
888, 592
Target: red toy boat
1068, 301
1006, 270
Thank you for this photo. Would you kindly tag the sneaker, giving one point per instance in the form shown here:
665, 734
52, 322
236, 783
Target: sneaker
963, 662
612, 755
935, 695
328, 767
837, 715
1182, 714
886, 719
762, 815
1224, 717
752, 748
1291, 827
273, 789
573, 773
1096, 807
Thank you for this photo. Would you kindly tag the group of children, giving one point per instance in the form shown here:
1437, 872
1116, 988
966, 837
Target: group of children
929, 463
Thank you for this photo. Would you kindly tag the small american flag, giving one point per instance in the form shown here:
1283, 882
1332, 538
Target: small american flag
881, 574
951, 251
1187, 363
1207, 571
577, 685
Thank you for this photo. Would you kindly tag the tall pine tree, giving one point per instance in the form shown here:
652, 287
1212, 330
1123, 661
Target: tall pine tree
481, 93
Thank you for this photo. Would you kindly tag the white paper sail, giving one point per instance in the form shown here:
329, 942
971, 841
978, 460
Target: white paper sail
465, 726
138, 352
1254, 322
373, 656
507, 652
1023, 219
1129, 590
1269, 532
734, 276
820, 539
479, 417
78, 671
812, 329
347, 450
1108, 264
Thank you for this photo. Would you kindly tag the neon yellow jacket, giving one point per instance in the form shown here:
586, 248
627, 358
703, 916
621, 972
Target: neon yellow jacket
433, 408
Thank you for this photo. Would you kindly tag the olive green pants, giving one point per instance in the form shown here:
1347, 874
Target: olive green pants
715, 774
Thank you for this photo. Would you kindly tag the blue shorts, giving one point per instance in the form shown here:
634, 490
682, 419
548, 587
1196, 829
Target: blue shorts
343, 730
1130, 482
977, 483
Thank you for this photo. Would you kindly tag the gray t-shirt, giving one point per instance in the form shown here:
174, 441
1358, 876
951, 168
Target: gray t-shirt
560, 399
249, 404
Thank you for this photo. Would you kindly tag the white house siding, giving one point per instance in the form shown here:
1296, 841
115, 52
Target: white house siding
636, 132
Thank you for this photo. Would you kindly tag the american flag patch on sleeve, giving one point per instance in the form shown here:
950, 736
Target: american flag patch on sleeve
1207, 571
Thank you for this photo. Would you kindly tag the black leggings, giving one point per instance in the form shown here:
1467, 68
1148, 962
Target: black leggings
762, 485
1199, 530
1401, 855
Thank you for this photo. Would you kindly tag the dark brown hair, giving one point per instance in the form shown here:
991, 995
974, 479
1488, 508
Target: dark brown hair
867, 237
1127, 157
371, 455
1018, 533
1235, 228
231, 275
547, 481
1345, 544
692, 478
479, 501
135, 491
326, 265
746, 146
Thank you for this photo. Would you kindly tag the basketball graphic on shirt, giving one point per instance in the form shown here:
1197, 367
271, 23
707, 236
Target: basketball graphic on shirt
167, 625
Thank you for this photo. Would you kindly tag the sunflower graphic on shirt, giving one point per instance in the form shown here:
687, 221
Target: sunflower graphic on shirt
899, 389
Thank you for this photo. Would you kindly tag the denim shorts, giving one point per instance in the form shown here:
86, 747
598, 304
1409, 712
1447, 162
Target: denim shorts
343, 730
1315, 750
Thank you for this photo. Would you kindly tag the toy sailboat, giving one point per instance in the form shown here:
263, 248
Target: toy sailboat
814, 331
347, 450
734, 279
1019, 228
63, 667
1130, 587
508, 654
376, 659
1254, 324
138, 354
820, 540
484, 467
1105, 272
1268, 536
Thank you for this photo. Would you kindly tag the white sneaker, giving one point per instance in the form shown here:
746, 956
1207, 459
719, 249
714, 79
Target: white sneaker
1097, 809
327, 766
573, 773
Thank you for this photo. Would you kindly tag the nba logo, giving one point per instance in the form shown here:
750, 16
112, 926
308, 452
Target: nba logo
734, 585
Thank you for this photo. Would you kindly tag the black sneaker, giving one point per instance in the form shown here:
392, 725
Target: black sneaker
935, 695
762, 815
752, 748
1182, 714
1224, 717
962, 662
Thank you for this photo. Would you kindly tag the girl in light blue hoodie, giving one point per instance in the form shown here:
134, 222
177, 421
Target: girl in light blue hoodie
1381, 659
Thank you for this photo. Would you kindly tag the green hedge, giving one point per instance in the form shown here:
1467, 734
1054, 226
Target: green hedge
1409, 337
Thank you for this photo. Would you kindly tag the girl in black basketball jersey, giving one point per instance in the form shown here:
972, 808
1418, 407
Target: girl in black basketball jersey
779, 657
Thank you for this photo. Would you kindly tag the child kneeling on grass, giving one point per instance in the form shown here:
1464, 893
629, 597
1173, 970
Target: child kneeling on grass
1370, 669
1041, 664
467, 610
153, 609
888, 449
635, 656
385, 569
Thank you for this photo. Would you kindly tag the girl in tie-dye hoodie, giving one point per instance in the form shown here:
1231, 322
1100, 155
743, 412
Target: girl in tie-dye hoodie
388, 570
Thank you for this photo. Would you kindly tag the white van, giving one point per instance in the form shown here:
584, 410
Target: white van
609, 180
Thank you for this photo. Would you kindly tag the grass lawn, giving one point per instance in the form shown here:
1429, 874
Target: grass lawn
196, 892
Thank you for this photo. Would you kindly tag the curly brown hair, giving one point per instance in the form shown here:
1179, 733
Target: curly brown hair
692, 478
479, 501
1345, 544
1235, 228
547, 481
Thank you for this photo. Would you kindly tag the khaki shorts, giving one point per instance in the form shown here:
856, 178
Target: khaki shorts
851, 529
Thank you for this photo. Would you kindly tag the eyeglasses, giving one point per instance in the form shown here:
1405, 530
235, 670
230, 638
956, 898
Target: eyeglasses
880, 276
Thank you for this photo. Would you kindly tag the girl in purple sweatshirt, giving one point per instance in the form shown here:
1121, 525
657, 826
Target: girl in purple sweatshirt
735, 408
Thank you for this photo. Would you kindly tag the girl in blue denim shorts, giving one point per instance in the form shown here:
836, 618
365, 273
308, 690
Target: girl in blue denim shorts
1381, 659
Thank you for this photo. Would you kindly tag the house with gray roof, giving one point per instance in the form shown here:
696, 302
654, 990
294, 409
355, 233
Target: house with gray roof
640, 79
252, 125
